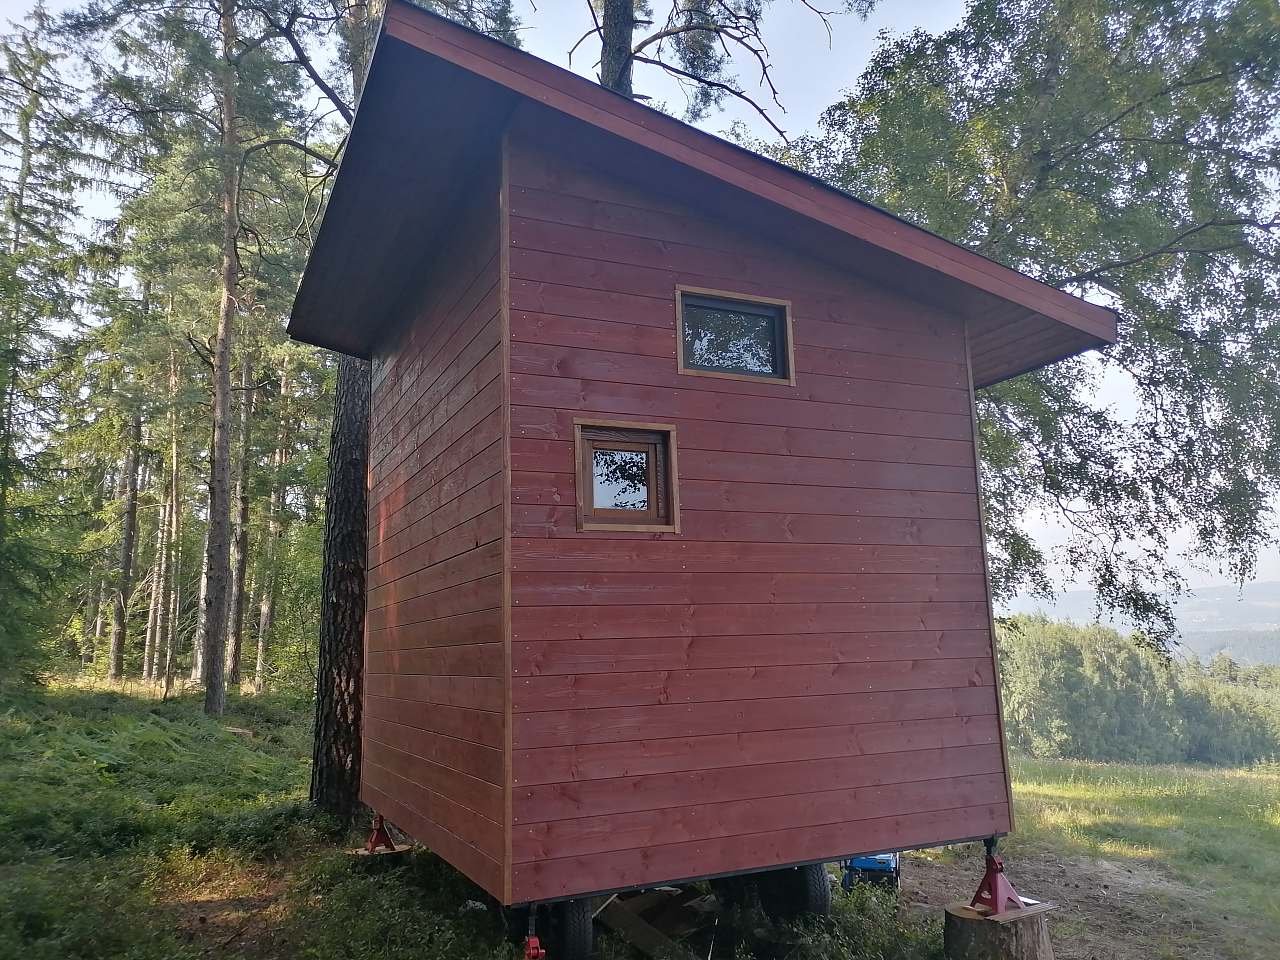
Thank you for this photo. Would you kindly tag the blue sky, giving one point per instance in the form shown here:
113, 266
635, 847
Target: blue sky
810, 72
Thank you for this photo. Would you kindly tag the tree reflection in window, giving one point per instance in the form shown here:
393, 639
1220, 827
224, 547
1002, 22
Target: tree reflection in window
620, 479
729, 336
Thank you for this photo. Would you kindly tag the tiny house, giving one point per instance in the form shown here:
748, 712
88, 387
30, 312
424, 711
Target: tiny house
676, 564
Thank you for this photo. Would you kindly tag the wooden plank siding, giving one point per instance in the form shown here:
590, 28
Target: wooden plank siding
805, 670
436, 677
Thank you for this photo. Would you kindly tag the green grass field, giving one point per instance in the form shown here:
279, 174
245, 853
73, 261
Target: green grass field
131, 828
1216, 830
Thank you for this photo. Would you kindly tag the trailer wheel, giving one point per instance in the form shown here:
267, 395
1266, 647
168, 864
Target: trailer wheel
572, 936
796, 891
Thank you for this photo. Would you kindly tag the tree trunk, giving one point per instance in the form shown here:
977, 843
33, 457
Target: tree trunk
200, 638
11, 334
219, 549
275, 531
617, 26
240, 545
124, 584
174, 552
335, 770
968, 935
92, 622
157, 586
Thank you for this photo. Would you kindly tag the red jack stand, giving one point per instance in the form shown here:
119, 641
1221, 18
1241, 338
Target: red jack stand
379, 838
533, 949
995, 892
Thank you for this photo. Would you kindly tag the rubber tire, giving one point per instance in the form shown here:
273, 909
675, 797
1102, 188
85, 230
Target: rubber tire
815, 890
793, 892
572, 931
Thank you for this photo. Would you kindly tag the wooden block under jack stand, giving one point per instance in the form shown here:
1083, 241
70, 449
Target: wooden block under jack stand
970, 934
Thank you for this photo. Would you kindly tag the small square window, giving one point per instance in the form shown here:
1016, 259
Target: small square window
730, 337
626, 476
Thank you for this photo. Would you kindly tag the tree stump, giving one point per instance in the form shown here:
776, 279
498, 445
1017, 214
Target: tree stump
970, 935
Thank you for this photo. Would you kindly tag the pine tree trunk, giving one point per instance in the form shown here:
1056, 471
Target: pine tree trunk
240, 545
11, 334
200, 638
124, 583
157, 589
617, 27
91, 620
219, 549
335, 769
275, 532
100, 622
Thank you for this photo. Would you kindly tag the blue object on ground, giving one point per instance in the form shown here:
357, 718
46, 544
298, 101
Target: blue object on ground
883, 868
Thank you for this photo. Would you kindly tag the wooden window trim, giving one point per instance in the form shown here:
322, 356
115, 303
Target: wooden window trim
748, 298
584, 480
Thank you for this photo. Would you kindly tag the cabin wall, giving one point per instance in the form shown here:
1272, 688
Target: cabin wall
435, 663
805, 670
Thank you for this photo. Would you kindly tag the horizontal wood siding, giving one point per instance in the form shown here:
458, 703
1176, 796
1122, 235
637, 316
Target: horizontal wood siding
805, 670
436, 679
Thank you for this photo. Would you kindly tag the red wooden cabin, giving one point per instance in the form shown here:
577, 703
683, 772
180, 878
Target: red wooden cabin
675, 553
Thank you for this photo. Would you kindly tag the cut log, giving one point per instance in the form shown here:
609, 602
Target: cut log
970, 935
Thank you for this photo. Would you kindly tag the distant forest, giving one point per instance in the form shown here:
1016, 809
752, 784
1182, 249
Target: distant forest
1092, 693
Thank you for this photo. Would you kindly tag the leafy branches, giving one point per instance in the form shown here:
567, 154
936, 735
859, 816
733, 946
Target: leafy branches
1127, 152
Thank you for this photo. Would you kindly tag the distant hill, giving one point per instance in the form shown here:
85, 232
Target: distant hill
1243, 622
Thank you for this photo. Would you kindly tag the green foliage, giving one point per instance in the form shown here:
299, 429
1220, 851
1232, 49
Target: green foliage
867, 924
82, 911
1127, 151
1090, 693
93, 773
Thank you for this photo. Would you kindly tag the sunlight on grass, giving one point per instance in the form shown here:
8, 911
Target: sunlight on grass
1214, 829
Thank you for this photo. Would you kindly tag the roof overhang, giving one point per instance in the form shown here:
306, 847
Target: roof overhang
435, 105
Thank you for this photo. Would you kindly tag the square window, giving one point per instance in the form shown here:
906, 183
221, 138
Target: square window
730, 337
626, 476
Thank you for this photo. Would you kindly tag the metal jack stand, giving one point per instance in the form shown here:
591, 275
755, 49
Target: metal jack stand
995, 892
533, 949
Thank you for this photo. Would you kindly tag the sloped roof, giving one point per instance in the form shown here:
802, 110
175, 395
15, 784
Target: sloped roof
436, 101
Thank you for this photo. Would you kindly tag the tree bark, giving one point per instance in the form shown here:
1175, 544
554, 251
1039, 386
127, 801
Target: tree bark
175, 571
124, 583
968, 935
240, 545
92, 622
275, 531
200, 638
219, 548
335, 769
157, 582
617, 28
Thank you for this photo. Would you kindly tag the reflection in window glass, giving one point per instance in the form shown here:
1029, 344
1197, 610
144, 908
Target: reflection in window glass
620, 479
729, 337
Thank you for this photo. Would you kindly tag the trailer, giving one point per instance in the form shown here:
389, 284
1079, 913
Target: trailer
675, 562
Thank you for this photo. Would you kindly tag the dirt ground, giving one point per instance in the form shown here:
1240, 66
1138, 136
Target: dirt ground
1106, 910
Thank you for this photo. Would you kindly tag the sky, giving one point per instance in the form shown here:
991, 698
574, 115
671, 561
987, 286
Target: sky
810, 71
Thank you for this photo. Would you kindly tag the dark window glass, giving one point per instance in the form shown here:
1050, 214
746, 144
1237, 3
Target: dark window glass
734, 336
624, 476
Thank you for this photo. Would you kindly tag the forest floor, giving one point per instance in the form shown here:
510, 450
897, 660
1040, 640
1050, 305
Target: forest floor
133, 828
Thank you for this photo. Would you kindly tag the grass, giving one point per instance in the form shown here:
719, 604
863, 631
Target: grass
138, 829
1214, 829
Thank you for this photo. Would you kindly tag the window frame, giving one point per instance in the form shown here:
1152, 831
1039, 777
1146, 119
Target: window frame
782, 326
663, 514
